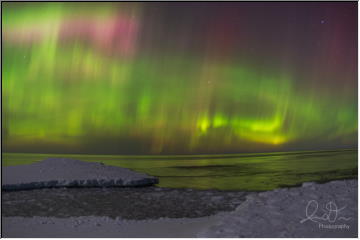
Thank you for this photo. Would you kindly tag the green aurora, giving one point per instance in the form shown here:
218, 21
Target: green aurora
77, 91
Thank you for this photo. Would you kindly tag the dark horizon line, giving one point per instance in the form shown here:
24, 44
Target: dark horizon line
200, 154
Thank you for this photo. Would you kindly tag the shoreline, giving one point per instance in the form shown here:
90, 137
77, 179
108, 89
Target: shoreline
185, 188
127, 203
275, 213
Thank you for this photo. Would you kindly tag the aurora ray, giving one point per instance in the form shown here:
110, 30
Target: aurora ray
152, 78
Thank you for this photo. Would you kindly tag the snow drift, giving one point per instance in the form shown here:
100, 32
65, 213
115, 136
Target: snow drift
62, 172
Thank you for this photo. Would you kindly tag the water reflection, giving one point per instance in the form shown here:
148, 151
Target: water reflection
226, 172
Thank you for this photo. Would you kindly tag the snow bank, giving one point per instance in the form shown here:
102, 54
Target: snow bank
100, 227
332, 211
62, 172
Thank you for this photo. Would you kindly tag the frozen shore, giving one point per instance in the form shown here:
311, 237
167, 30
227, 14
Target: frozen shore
277, 213
313, 210
62, 172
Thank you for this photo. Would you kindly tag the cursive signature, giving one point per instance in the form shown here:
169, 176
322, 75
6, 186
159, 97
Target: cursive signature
331, 214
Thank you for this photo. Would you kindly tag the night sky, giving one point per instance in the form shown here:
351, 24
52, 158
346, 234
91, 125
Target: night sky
179, 78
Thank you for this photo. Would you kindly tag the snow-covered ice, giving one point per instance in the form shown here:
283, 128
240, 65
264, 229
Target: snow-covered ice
62, 172
91, 226
331, 212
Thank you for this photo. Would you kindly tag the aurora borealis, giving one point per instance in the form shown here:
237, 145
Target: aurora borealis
165, 78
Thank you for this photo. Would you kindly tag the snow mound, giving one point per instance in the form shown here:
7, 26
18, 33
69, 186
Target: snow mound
291, 212
62, 172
